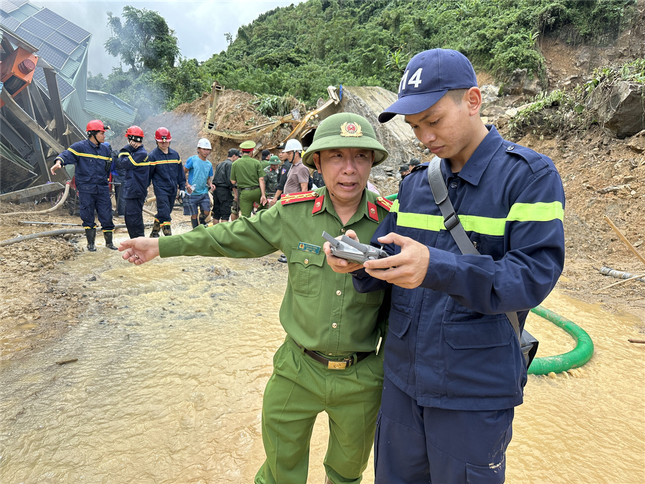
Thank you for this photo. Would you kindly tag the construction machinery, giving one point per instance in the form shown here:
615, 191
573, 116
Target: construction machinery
300, 127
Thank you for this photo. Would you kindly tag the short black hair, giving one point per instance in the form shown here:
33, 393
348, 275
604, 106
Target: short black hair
265, 153
233, 152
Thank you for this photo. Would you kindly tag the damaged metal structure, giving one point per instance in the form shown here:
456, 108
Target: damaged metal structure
44, 101
33, 126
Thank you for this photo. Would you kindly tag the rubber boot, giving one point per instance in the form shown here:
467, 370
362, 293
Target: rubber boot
108, 241
166, 230
91, 237
202, 219
155, 229
194, 222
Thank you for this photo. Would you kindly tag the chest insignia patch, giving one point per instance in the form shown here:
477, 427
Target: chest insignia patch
314, 249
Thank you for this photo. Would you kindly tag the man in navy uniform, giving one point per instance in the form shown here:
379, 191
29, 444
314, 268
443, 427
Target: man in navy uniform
454, 369
92, 159
166, 174
134, 158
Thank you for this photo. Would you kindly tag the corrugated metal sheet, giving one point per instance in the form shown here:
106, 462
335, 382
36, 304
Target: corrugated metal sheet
14, 171
108, 107
70, 68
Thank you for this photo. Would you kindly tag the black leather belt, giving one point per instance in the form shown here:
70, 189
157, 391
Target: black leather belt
336, 364
250, 188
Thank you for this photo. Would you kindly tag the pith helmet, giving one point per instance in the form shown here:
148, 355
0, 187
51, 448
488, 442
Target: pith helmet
274, 160
345, 130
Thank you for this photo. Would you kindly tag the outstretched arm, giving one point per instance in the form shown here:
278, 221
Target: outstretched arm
139, 250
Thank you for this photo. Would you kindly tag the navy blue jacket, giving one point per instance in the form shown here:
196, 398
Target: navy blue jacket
450, 345
166, 171
137, 169
91, 165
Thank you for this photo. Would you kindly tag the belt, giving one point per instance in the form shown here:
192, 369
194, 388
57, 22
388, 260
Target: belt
335, 364
250, 188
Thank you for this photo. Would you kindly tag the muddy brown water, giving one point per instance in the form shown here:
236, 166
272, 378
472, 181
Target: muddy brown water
172, 360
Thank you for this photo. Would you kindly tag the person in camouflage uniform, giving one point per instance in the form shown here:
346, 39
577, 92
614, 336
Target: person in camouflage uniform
271, 178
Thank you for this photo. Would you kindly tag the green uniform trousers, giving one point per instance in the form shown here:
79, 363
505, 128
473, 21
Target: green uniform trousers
298, 390
247, 197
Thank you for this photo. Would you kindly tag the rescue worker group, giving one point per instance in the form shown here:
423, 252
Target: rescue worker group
413, 353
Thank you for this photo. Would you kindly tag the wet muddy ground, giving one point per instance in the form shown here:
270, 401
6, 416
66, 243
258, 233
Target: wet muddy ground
167, 363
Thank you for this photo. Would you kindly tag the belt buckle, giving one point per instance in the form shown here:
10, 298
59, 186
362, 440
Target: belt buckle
337, 365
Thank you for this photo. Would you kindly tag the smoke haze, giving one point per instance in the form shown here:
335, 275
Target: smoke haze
198, 26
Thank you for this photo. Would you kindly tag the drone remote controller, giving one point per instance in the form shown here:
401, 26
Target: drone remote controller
348, 249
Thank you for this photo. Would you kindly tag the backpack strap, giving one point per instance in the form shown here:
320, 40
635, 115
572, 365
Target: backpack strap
452, 223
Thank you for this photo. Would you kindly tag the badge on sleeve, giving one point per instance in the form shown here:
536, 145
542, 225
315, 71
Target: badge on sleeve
314, 249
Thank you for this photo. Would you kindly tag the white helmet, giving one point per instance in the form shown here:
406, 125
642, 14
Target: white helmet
292, 145
204, 143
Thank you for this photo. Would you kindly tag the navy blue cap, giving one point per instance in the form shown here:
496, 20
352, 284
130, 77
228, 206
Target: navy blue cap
428, 77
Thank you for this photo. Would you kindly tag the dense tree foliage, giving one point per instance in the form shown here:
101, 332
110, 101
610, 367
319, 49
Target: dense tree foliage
300, 50
143, 41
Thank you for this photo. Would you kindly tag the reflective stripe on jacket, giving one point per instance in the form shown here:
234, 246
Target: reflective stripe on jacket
450, 345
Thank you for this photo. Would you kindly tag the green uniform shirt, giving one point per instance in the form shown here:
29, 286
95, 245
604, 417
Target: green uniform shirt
321, 310
247, 172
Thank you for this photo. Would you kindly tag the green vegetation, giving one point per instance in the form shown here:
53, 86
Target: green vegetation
559, 110
300, 50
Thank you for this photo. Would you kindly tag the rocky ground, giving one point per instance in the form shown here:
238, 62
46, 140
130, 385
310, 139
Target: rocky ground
603, 177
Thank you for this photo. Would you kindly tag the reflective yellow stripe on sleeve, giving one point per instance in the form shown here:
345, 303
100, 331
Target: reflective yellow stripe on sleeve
164, 162
88, 155
143, 163
520, 212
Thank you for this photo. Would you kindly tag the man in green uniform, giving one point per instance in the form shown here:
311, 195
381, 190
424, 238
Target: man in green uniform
247, 174
328, 361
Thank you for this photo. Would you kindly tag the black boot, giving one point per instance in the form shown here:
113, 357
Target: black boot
91, 237
155, 229
202, 219
166, 230
108, 241
194, 222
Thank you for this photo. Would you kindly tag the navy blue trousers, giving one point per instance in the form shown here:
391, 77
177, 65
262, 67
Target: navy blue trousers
134, 217
415, 445
100, 202
165, 204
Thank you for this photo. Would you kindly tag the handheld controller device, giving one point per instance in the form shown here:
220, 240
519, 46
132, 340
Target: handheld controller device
348, 249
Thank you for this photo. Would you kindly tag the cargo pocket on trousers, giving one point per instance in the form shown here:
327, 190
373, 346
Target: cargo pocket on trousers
490, 474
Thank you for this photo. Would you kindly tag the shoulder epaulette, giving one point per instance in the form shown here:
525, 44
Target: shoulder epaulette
384, 203
534, 159
298, 197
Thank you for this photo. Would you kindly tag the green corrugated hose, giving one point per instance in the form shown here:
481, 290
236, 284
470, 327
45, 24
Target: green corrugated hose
575, 358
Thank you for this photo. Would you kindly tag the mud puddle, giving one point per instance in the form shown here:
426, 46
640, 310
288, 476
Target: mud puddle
172, 360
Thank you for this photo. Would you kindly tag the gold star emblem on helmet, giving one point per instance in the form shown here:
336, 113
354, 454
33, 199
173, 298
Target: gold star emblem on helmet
353, 130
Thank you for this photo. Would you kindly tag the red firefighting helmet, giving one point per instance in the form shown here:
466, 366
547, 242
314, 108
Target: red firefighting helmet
162, 134
134, 133
95, 126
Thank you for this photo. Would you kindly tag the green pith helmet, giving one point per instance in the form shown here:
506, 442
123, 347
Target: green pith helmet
247, 145
345, 130
274, 160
